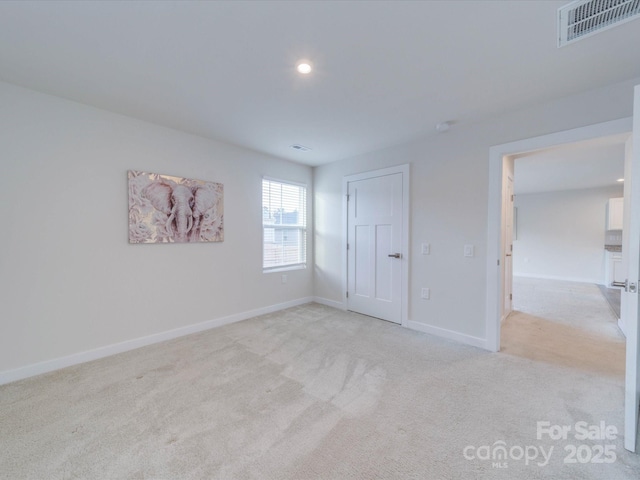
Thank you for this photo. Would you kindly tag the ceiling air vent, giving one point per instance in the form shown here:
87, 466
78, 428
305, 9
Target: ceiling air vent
302, 148
582, 18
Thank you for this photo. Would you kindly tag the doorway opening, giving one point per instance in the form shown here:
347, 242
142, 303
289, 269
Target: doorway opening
501, 166
556, 256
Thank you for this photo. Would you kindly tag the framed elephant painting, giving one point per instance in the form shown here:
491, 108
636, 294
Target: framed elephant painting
164, 209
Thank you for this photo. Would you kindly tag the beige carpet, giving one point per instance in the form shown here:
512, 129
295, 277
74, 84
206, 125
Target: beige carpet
307, 393
564, 323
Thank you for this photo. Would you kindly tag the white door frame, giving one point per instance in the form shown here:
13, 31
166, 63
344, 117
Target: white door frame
507, 246
404, 170
494, 225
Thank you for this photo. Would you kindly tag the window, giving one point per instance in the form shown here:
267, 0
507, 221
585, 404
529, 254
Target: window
284, 225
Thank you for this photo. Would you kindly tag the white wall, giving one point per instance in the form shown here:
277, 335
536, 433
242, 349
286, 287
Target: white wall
449, 196
561, 235
70, 282
69, 279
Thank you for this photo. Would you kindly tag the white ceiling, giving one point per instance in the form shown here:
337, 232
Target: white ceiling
589, 164
385, 72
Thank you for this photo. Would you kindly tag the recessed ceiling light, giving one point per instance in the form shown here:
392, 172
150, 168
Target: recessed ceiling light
621, 179
304, 67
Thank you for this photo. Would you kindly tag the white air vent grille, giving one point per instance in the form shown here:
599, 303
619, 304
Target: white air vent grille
582, 18
302, 148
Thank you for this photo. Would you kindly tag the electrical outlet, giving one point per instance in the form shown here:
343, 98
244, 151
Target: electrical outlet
425, 293
426, 249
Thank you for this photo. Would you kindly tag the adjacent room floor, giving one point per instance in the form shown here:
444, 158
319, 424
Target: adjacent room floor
564, 323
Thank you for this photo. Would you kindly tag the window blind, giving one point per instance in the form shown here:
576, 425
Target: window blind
284, 225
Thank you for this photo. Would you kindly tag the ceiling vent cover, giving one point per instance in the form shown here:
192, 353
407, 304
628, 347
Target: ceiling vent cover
302, 148
582, 18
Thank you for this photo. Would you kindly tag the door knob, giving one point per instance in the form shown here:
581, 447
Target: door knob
395, 255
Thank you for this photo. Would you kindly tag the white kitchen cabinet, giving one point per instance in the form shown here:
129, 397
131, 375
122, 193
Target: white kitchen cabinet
615, 269
614, 213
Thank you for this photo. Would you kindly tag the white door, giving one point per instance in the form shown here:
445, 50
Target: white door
508, 249
374, 242
631, 256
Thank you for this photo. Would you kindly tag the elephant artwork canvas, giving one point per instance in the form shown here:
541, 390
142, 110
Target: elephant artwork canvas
164, 209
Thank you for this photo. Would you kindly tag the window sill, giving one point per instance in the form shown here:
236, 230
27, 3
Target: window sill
284, 268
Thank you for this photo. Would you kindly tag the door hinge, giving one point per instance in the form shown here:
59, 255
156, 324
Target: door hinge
347, 294
512, 196
511, 247
511, 296
348, 197
498, 262
347, 246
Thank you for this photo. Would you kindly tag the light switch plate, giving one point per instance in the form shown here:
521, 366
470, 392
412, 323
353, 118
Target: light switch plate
426, 249
425, 293
468, 250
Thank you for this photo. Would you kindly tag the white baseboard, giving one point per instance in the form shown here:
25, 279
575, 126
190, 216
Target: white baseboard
450, 334
421, 327
108, 350
557, 277
330, 303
